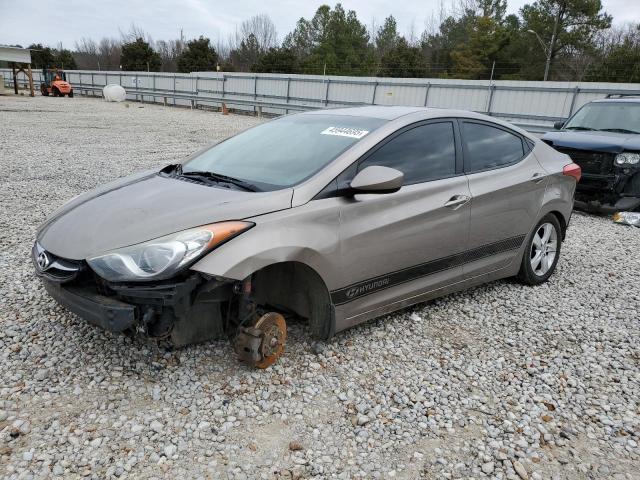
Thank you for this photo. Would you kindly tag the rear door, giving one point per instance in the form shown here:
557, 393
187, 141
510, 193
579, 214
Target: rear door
507, 186
397, 245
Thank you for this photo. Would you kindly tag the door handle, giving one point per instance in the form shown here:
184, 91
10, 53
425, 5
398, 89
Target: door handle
457, 201
537, 177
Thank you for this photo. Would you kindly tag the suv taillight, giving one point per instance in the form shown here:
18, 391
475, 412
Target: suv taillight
572, 170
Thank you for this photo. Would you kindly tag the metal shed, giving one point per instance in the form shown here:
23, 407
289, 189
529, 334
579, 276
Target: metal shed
20, 61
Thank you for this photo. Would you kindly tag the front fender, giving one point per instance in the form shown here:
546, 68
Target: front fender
308, 234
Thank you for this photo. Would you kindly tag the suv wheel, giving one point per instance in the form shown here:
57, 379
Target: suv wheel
542, 252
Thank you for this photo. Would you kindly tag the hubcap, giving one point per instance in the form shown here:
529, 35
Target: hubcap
543, 249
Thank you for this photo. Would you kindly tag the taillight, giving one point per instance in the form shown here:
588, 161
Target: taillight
572, 170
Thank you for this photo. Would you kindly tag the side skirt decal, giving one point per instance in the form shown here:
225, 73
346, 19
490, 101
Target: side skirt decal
382, 282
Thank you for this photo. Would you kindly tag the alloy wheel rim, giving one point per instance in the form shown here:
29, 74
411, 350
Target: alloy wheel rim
544, 248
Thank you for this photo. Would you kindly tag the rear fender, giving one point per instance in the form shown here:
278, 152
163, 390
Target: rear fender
558, 197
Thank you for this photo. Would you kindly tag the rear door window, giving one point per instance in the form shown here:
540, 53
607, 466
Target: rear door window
487, 147
423, 153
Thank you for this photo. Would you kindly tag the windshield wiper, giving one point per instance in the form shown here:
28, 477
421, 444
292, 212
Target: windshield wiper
218, 177
617, 130
580, 128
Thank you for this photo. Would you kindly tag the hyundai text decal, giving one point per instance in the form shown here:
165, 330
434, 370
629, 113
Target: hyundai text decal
392, 279
366, 288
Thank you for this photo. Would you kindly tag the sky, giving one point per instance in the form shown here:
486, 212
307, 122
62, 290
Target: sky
53, 21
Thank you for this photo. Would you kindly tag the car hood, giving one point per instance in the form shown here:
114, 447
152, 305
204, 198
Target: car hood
143, 207
597, 141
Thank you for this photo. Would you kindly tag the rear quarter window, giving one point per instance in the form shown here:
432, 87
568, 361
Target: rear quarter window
487, 147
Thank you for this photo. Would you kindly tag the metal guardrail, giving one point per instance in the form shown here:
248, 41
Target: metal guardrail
258, 104
196, 99
547, 103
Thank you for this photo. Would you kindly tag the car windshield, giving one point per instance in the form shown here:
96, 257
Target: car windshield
283, 152
623, 117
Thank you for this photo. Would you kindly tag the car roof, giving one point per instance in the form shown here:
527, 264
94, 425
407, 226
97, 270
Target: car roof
394, 112
413, 114
374, 111
618, 100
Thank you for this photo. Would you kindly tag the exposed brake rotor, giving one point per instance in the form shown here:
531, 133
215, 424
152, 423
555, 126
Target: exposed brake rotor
262, 344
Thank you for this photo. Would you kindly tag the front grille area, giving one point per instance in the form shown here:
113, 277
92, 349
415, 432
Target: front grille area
53, 267
591, 162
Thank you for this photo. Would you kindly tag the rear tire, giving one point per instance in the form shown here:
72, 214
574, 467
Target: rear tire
541, 252
70, 94
56, 92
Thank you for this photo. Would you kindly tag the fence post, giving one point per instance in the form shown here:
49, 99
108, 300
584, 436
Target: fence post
255, 92
93, 84
326, 93
373, 97
286, 111
174, 90
573, 99
223, 85
196, 93
426, 93
492, 89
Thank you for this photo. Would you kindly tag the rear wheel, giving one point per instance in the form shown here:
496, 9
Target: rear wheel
56, 92
541, 252
44, 91
70, 94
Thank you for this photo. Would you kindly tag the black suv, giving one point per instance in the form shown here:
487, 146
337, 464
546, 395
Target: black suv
603, 137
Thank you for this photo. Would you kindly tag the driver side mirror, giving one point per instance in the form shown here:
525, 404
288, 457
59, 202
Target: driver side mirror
377, 179
558, 125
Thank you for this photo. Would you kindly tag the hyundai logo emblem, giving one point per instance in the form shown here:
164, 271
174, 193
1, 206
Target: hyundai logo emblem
43, 261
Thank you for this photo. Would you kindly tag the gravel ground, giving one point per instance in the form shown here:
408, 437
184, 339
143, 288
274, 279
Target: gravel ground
502, 381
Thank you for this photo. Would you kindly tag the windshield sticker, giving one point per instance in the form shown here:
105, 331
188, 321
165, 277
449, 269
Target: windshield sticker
345, 132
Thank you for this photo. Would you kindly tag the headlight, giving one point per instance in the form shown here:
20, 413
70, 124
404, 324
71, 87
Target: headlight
627, 158
163, 257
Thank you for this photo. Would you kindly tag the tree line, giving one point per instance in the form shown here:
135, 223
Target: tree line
470, 39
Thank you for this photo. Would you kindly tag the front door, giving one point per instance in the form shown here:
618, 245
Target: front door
398, 245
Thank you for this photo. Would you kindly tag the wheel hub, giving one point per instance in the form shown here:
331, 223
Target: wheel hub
262, 344
543, 249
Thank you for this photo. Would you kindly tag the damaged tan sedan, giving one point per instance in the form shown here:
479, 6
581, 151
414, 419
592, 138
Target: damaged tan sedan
334, 216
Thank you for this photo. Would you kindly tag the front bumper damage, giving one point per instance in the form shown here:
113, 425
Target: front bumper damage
189, 309
609, 193
107, 313
184, 311
605, 187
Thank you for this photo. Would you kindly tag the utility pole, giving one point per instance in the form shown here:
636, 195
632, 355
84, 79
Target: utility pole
547, 52
551, 46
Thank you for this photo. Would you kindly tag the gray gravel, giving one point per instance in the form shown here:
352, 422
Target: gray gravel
502, 381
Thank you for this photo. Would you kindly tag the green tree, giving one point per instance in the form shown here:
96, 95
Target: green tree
247, 54
619, 57
64, 59
437, 47
41, 57
199, 56
467, 46
563, 26
277, 60
402, 60
387, 37
334, 40
474, 58
139, 56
